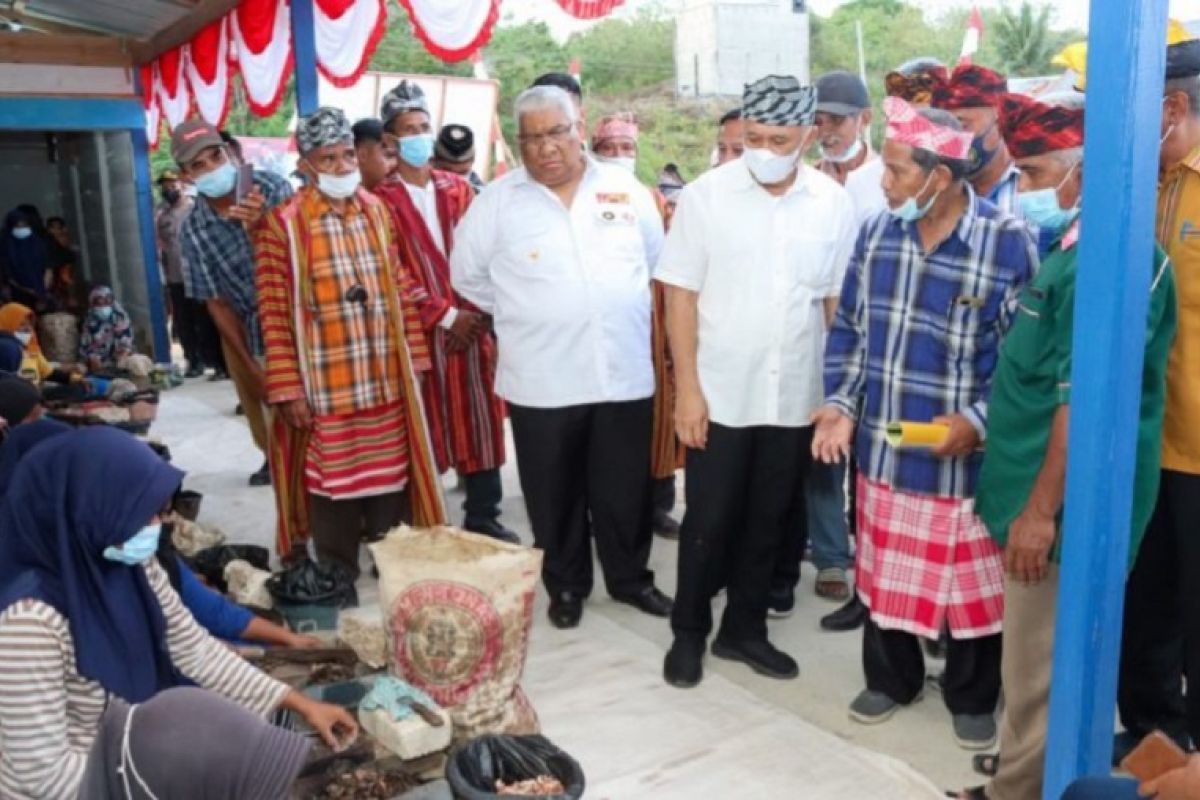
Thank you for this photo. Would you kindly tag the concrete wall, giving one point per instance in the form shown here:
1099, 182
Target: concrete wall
720, 45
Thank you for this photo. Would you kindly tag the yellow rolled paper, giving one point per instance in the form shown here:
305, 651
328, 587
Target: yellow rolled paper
916, 434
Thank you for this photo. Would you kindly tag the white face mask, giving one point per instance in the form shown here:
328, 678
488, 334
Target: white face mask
624, 162
24, 337
851, 153
767, 167
339, 187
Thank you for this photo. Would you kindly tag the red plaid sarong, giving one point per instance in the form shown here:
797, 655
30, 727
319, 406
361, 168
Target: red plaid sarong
923, 561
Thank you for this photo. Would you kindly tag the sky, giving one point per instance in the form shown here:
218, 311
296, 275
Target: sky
1067, 13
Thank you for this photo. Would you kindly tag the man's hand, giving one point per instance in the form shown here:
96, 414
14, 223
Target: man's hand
832, 434
962, 440
297, 414
467, 327
333, 723
1178, 784
250, 210
691, 417
1030, 538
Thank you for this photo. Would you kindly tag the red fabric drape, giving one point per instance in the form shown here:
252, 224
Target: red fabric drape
168, 70
458, 53
205, 50
335, 8
590, 9
256, 19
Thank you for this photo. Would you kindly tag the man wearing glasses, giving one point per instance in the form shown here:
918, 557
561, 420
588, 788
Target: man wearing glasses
559, 253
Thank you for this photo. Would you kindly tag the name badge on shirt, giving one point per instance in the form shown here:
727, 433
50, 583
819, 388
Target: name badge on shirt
611, 215
615, 198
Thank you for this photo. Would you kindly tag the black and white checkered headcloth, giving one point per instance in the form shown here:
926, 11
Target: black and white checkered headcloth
324, 126
407, 96
779, 100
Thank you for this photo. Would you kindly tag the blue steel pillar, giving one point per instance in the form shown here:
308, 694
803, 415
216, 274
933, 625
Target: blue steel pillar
1126, 62
143, 183
304, 41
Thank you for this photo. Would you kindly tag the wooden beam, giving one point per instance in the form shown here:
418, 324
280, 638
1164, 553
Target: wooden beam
206, 11
82, 51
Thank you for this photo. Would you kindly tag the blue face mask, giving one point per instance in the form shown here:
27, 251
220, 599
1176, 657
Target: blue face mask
417, 150
1042, 209
981, 155
219, 182
139, 549
909, 211
103, 312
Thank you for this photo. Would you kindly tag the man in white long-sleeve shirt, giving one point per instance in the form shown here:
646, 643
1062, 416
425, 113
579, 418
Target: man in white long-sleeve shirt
559, 253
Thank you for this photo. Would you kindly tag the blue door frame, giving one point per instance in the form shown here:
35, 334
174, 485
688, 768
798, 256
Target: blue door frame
87, 114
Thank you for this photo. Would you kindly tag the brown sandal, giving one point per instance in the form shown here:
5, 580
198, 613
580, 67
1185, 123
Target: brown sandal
832, 585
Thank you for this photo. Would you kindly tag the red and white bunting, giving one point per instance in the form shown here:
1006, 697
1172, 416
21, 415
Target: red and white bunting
590, 9
206, 65
262, 48
452, 29
347, 33
170, 87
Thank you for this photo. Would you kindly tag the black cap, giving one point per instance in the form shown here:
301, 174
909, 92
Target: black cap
563, 81
841, 93
455, 144
367, 130
18, 397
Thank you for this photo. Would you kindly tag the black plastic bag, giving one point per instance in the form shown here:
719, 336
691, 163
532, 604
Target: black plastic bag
310, 583
474, 769
210, 563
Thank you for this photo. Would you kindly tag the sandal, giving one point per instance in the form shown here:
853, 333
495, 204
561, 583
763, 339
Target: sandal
972, 793
986, 764
832, 585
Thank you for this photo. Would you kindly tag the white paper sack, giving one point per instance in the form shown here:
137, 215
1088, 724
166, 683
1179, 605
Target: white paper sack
190, 538
362, 632
247, 584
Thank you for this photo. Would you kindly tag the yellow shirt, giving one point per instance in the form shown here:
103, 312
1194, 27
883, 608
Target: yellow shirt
1179, 235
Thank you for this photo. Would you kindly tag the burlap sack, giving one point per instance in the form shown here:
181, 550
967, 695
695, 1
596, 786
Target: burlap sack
457, 612
58, 334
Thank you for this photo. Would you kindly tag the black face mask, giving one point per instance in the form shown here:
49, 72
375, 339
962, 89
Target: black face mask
171, 196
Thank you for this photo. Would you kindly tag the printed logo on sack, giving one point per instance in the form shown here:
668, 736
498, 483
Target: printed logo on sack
448, 638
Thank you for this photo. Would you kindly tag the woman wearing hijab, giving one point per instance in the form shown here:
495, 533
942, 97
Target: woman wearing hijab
107, 336
18, 320
24, 257
102, 640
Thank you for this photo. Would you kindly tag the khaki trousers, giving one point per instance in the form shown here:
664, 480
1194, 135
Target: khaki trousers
256, 414
1029, 613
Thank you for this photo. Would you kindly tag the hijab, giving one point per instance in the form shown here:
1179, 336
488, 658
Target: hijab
11, 353
13, 316
23, 438
26, 259
105, 337
61, 510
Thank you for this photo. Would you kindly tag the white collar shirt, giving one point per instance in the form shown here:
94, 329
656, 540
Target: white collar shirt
568, 288
865, 186
425, 199
762, 267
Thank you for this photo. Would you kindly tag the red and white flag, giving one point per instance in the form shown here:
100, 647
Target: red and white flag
478, 67
575, 70
973, 37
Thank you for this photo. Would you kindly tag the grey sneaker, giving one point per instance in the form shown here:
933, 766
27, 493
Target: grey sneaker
872, 708
975, 731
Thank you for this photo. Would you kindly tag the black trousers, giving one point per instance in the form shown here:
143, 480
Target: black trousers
662, 494
195, 330
484, 493
587, 468
1160, 644
339, 526
740, 493
895, 665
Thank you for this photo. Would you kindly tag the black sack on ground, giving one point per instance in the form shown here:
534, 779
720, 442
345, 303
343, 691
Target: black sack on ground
210, 563
309, 583
474, 769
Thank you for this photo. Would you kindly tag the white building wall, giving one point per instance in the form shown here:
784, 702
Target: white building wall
720, 45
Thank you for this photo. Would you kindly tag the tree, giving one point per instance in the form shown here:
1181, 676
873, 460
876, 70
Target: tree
1024, 41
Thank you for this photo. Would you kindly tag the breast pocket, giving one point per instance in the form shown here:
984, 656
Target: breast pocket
811, 263
970, 329
1029, 342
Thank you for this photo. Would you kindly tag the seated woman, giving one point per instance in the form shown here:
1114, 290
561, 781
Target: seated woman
18, 320
101, 637
107, 336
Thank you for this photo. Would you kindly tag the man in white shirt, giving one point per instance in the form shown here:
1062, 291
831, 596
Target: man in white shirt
843, 119
558, 252
753, 265
466, 418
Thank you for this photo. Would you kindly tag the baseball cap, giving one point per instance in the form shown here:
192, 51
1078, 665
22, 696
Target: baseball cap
191, 138
841, 93
168, 175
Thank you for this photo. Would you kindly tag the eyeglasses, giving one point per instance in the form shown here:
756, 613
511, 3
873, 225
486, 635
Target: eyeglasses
559, 134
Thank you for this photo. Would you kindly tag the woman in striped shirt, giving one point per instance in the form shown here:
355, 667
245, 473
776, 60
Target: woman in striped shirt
88, 617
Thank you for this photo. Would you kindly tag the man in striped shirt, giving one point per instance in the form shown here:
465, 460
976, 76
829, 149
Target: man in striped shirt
930, 290
340, 373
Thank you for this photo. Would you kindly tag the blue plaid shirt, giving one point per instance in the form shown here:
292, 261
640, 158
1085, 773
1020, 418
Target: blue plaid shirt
916, 336
219, 258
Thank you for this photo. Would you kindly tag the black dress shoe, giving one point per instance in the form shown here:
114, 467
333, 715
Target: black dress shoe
684, 665
650, 601
566, 609
760, 655
219, 375
263, 476
665, 525
194, 371
492, 528
847, 618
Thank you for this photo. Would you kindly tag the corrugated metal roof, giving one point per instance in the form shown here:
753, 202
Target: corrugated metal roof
134, 19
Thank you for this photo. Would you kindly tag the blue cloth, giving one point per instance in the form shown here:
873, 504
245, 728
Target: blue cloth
395, 697
60, 512
825, 509
218, 257
217, 615
917, 335
1102, 789
11, 353
23, 438
25, 260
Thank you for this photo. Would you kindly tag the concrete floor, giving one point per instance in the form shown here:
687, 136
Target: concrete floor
598, 689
